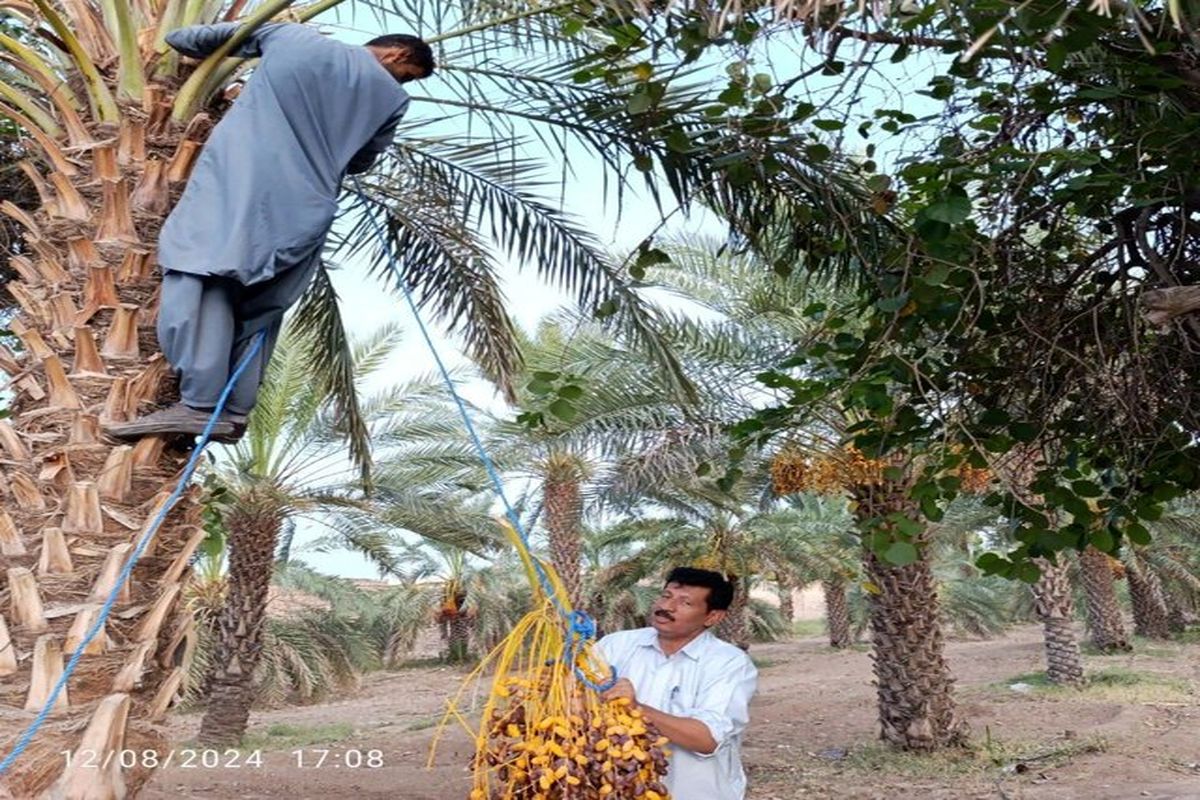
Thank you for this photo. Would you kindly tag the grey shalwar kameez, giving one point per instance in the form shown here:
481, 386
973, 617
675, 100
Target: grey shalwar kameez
243, 242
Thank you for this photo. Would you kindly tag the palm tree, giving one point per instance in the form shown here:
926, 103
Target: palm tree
837, 613
915, 688
1164, 576
1054, 602
812, 541
455, 615
1173, 558
452, 567
583, 398
253, 520
306, 655
833, 585
289, 466
1150, 615
1054, 605
898, 545
759, 320
479, 600
917, 710
970, 604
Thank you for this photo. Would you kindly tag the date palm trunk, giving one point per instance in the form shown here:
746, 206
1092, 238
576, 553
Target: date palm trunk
914, 687
76, 506
787, 603
109, 151
1178, 617
563, 501
837, 613
1055, 608
458, 642
1053, 601
1150, 615
253, 525
1103, 610
735, 628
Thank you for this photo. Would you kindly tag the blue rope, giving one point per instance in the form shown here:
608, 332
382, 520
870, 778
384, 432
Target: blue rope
106, 609
581, 628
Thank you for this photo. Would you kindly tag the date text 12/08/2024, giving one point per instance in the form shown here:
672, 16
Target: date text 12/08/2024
205, 758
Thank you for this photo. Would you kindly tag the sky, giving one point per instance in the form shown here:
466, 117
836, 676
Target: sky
366, 306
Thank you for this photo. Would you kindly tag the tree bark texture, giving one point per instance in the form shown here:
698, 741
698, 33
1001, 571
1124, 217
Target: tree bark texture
917, 709
837, 614
1105, 623
787, 604
73, 507
1150, 615
561, 493
1055, 608
253, 525
735, 628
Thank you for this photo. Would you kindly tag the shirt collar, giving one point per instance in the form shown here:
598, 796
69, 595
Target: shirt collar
692, 649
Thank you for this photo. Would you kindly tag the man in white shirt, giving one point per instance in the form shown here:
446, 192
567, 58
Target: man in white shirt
692, 686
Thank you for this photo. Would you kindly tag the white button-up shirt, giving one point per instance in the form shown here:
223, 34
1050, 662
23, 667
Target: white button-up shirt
708, 680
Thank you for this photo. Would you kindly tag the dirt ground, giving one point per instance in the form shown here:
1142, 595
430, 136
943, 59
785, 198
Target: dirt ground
1134, 734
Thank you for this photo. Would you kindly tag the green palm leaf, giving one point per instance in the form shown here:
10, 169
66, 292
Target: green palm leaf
319, 317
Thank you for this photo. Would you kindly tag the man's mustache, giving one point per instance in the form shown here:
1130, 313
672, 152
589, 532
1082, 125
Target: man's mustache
665, 615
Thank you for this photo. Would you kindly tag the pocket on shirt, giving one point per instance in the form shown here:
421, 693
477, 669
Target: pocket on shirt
675, 701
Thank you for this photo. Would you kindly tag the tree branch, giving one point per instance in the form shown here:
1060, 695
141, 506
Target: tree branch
1160, 306
884, 37
913, 40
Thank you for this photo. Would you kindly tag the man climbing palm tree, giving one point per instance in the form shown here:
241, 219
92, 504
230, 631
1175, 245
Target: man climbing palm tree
242, 244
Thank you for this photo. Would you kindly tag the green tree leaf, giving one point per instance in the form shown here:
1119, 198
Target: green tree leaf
901, 553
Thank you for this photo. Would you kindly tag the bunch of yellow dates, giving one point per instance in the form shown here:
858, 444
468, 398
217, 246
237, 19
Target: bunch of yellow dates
587, 750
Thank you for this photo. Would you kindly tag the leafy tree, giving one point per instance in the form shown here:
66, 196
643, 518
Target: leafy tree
1048, 204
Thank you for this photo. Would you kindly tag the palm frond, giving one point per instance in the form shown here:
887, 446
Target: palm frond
765, 620
434, 255
501, 198
430, 516
401, 614
372, 352
361, 533
332, 363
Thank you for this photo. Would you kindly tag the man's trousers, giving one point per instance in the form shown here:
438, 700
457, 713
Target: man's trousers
207, 323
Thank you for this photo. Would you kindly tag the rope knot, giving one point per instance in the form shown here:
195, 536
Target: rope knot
583, 626
583, 630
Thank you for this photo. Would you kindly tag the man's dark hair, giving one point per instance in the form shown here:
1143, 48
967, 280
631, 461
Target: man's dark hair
720, 591
419, 52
